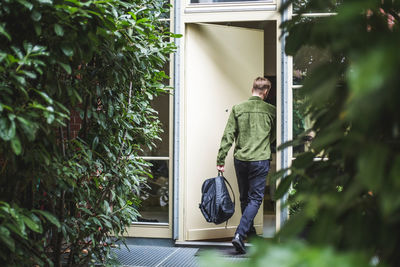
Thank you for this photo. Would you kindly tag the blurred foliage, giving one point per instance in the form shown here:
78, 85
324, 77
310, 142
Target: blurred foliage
61, 198
349, 197
307, 6
305, 60
290, 254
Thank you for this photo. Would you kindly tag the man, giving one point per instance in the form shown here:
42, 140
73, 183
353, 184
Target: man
251, 125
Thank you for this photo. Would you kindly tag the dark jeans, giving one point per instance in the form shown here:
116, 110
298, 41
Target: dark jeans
251, 177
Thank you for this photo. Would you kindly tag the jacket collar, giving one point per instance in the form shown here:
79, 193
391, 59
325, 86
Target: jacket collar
255, 98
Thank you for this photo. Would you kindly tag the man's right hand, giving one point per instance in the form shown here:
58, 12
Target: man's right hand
221, 168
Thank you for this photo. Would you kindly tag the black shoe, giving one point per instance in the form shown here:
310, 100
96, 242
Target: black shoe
237, 242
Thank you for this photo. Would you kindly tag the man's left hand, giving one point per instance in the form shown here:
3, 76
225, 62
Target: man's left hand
221, 168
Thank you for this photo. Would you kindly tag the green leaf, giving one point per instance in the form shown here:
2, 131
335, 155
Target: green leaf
67, 49
58, 30
19, 79
107, 222
66, 67
76, 95
25, 3
16, 145
303, 160
86, 210
38, 28
7, 129
273, 177
107, 206
45, 97
372, 167
110, 109
95, 142
363, 75
283, 187
63, 108
3, 32
31, 75
50, 217
34, 226
96, 221
11, 116
176, 35
295, 226
49, 117
36, 16
6, 239
19, 230
7, 107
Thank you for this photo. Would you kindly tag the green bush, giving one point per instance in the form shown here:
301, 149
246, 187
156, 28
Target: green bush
349, 198
349, 203
290, 254
61, 197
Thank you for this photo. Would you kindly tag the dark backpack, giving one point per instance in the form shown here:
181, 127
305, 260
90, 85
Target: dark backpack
216, 204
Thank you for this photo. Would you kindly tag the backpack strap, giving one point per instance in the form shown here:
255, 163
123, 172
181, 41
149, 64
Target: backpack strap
233, 193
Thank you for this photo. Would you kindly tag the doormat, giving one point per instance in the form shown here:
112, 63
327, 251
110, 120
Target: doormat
154, 256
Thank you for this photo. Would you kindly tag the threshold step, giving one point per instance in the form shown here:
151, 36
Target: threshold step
206, 244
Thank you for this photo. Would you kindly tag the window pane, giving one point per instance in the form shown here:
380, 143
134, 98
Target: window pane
301, 121
161, 105
305, 60
166, 5
165, 25
155, 198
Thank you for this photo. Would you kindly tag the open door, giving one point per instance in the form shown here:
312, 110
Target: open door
221, 63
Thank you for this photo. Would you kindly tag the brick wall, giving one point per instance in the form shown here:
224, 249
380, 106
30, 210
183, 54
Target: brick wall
75, 124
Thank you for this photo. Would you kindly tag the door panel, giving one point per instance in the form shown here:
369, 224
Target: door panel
221, 63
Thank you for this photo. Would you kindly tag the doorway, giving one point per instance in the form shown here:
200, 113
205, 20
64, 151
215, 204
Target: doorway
221, 62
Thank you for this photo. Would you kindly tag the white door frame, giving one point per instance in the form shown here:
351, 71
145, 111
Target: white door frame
283, 99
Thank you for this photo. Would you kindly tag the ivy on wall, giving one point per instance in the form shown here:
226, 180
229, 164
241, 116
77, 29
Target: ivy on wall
62, 196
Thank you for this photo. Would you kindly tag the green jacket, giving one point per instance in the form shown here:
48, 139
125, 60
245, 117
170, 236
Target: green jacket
251, 125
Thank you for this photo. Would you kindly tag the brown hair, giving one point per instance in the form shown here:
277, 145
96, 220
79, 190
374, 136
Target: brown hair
261, 84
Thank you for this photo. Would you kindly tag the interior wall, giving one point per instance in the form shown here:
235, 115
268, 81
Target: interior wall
270, 41
270, 49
